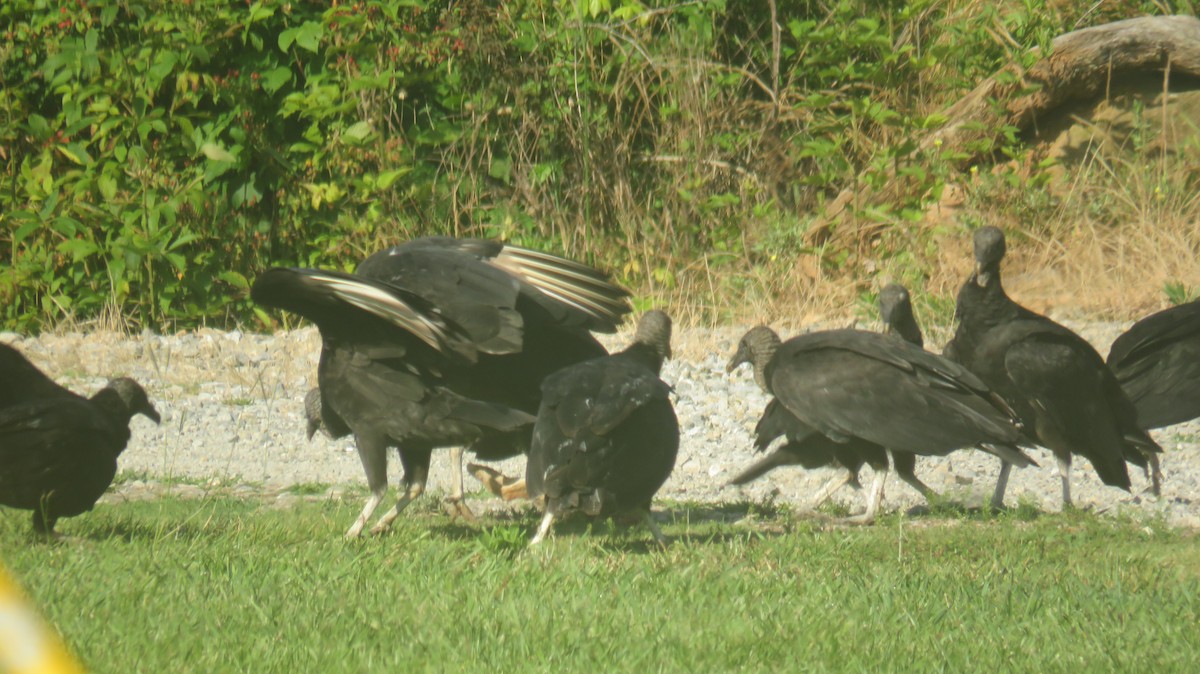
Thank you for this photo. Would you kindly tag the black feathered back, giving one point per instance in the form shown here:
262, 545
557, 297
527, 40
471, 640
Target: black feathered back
1157, 362
440, 342
851, 383
607, 436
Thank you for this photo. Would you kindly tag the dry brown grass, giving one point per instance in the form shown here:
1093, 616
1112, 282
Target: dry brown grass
1107, 233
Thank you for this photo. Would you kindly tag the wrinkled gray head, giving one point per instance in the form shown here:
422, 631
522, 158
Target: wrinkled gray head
312, 411
895, 308
134, 396
654, 330
894, 303
989, 251
756, 347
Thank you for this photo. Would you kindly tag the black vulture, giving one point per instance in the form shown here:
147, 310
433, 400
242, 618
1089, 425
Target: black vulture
58, 450
1066, 398
606, 434
1157, 362
853, 387
895, 309
807, 448
442, 342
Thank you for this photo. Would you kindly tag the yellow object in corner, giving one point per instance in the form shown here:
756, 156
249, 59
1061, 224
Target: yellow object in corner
28, 645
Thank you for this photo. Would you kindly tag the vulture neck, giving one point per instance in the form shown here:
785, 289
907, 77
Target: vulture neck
909, 331
113, 406
644, 354
985, 307
762, 357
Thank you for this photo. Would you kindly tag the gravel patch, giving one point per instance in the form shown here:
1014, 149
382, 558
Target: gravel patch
232, 413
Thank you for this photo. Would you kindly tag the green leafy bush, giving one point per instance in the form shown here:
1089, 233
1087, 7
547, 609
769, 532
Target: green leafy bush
157, 155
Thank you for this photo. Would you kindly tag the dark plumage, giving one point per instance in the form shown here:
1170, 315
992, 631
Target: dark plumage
442, 342
58, 450
1157, 362
1066, 398
807, 448
855, 387
606, 434
895, 309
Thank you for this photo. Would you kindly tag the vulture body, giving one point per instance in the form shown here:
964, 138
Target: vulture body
1060, 388
58, 450
606, 435
810, 449
859, 388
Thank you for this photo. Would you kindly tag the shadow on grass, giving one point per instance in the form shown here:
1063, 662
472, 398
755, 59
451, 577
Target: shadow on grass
944, 509
131, 530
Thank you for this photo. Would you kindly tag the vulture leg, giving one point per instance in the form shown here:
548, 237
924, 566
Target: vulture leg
499, 484
654, 530
832, 486
1064, 472
1156, 477
905, 464
416, 473
874, 498
1001, 486
373, 453
456, 506
544, 527
514, 491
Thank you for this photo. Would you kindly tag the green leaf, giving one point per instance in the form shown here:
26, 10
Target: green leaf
287, 37
357, 132
259, 12
247, 194
185, 237
31, 225
39, 127
78, 249
76, 153
274, 80
306, 36
386, 178
163, 65
216, 152
234, 279
501, 169
108, 187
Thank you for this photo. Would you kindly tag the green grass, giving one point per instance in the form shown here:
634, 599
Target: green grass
235, 585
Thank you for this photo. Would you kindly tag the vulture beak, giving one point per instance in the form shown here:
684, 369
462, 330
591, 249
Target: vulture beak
982, 277
741, 356
151, 413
